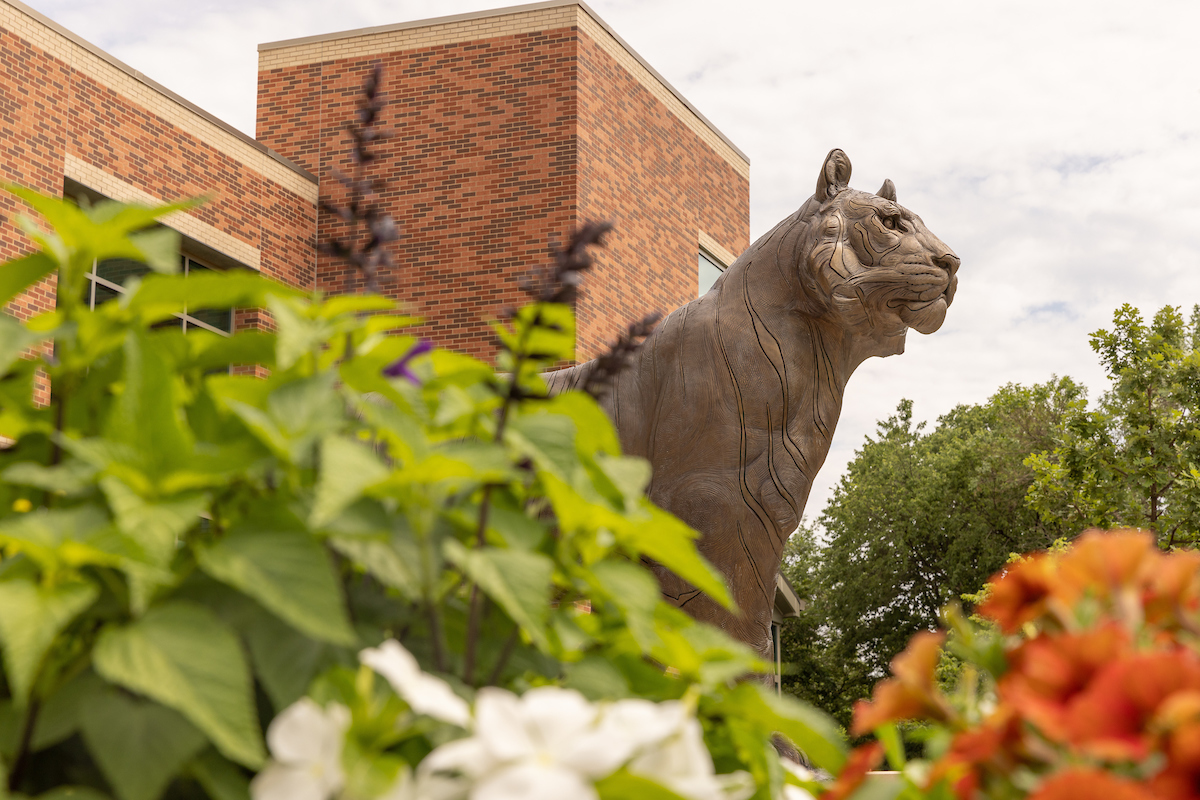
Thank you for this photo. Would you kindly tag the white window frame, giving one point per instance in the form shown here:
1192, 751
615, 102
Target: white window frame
188, 320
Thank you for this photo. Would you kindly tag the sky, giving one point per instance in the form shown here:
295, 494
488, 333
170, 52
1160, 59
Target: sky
1054, 145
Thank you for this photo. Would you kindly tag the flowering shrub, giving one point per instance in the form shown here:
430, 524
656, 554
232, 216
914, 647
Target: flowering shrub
1084, 682
189, 556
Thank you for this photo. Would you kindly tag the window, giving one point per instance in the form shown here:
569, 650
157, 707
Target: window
710, 270
108, 278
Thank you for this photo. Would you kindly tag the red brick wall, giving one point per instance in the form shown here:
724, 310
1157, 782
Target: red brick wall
646, 171
33, 101
49, 110
479, 172
500, 146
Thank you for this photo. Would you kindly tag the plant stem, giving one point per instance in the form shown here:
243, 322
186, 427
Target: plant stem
505, 654
436, 634
22, 756
476, 612
485, 504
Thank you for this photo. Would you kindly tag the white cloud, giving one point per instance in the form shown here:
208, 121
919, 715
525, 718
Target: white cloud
1054, 145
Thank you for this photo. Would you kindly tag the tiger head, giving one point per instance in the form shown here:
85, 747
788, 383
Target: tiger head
869, 262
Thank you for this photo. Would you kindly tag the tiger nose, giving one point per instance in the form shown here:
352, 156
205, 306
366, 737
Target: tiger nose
948, 261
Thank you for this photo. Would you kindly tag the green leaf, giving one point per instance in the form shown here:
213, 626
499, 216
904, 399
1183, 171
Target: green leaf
220, 778
156, 527
817, 736
392, 561
889, 735
10, 731
517, 581
32, 617
879, 787
19, 274
596, 678
669, 541
73, 793
159, 248
60, 712
68, 478
72, 536
157, 297
594, 430
635, 591
147, 418
15, 341
630, 476
623, 785
346, 469
285, 660
548, 439
298, 334
184, 657
139, 746
287, 570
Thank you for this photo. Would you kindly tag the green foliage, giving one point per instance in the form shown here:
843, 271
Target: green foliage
1132, 460
918, 520
184, 552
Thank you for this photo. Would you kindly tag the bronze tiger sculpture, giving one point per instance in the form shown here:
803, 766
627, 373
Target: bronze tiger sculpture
734, 397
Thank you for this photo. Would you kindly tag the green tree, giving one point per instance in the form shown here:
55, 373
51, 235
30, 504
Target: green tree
812, 672
1132, 460
918, 520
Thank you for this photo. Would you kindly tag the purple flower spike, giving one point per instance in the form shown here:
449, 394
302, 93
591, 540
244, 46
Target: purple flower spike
399, 367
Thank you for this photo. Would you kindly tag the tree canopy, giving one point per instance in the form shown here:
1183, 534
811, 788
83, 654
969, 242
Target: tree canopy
1132, 460
919, 519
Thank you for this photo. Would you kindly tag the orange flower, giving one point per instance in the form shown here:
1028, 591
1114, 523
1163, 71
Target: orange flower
861, 761
1046, 674
991, 745
1179, 719
1106, 563
1174, 588
1081, 783
1178, 723
1020, 593
910, 694
1110, 718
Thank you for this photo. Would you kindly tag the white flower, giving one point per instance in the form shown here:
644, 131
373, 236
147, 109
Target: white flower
683, 764
306, 748
549, 744
426, 694
791, 792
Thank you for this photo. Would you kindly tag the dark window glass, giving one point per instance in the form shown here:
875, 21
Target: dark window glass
120, 270
104, 294
220, 319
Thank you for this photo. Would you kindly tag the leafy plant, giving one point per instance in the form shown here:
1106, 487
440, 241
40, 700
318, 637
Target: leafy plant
188, 553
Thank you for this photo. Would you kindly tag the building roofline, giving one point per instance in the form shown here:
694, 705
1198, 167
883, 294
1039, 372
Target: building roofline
158, 87
499, 12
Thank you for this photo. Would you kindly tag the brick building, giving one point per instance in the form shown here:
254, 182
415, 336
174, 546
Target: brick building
510, 128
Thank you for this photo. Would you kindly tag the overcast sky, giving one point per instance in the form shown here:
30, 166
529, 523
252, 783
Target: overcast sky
1054, 145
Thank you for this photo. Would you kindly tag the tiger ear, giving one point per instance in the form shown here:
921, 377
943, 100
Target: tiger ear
835, 175
888, 190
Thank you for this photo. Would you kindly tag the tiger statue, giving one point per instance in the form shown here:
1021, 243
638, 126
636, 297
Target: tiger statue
733, 399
